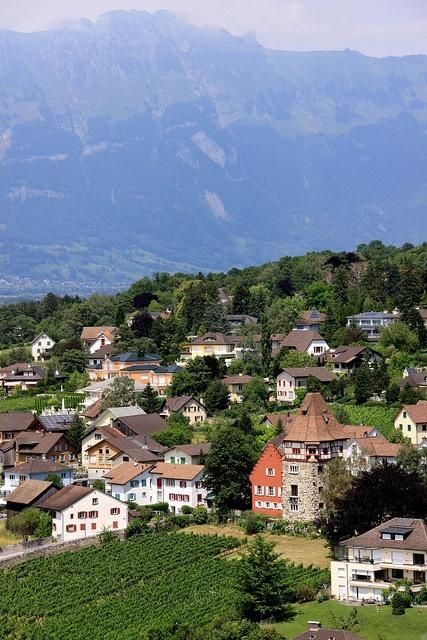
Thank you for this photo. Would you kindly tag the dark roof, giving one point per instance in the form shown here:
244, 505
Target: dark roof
327, 634
300, 340
56, 421
216, 338
416, 540
66, 497
241, 318
415, 379
144, 424
13, 367
172, 368
39, 466
29, 491
311, 317
373, 315
133, 356
177, 403
321, 373
101, 353
43, 442
16, 421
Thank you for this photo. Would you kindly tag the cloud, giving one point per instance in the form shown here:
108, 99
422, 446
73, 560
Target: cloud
378, 27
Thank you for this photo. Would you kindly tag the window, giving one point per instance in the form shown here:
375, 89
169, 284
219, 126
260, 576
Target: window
170, 482
293, 468
294, 490
182, 484
182, 460
267, 505
271, 491
125, 458
172, 459
321, 505
82, 527
117, 496
404, 414
418, 558
296, 451
199, 484
70, 528
71, 516
409, 427
143, 483
424, 427
397, 574
132, 497
63, 474
65, 446
115, 524
134, 483
107, 452
93, 514
294, 506
9, 435
100, 451
259, 491
114, 511
82, 514
11, 477
94, 501
93, 525
62, 458
98, 436
270, 471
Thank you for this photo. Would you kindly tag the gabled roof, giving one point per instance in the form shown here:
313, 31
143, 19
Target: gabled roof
16, 420
125, 472
144, 424
193, 449
377, 447
237, 379
103, 385
92, 333
4, 371
177, 403
216, 338
29, 491
300, 340
414, 379
93, 410
43, 333
321, 373
43, 442
345, 354
39, 466
416, 540
311, 316
66, 497
417, 412
314, 422
178, 471
56, 421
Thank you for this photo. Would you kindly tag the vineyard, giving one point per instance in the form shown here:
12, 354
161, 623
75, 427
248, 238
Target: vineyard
381, 417
124, 588
40, 403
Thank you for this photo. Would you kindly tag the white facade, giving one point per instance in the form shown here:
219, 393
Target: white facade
178, 491
13, 478
414, 429
89, 516
138, 490
317, 347
101, 341
41, 347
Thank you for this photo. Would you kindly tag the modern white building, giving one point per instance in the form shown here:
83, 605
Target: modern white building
371, 322
41, 347
375, 560
81, 512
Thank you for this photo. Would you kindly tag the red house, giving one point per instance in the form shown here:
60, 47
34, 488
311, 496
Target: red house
266, 480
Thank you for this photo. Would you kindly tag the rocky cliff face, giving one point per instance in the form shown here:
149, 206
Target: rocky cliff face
140, 143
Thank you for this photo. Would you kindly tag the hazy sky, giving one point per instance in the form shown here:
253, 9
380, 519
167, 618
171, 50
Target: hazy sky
375, 27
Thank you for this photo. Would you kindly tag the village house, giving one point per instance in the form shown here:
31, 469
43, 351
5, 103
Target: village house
95, 338
14, 422
345, 359
54, 421
376, 559
237, 321
80, 512
311, 320
415, 377
95, 391
37, 469
187, 453
236, 386
112, 450
371, 322
107, 416
130, 482
41, 347
310, 342
213, 344
25, 377
178, 485
7, 455
293, 378
112, 365
412, 421
46, 446
370, 450
31, 493
140, 425
189, 406
310, 439
158, 377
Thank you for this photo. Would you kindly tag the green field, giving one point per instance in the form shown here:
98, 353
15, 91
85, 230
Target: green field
39, 403
381, 417
374, 624
124, 588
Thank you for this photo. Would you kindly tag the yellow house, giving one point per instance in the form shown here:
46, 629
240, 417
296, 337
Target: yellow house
412, 421
236, 386
212, 344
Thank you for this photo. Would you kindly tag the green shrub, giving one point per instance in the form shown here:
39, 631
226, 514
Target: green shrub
200, 515
182, 521
251, 523
397, 604
186, 510
135, 527
160, 506
305, 593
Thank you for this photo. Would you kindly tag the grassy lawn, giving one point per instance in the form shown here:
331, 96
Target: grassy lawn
7, 538
299, 550
373, 624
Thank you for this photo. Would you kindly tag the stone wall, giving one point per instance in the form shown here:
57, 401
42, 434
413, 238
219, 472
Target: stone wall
309, 482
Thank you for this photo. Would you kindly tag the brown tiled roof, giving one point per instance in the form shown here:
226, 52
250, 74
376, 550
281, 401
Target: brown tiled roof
29, 491
91, 333
125, 472
144, 424
177, 403
344, 354
313, 422
321, 373
416, 540
45, 441
300, 340
278, 337
237, 379
312, 316
5, 371
193, 449
16, 421
418, 411
357, 430
378, 447
66, 497
93, 410
275, 418
39, 466
216, 338
327, 634
417, 379
178, 471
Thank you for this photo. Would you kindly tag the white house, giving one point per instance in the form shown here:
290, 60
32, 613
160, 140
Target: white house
130, 482
36, 469
187, 453
178, 485
366, 452
293, 378
371, 322
81, 512
412, 421
189, 406
310, 342
41, 347
373, 561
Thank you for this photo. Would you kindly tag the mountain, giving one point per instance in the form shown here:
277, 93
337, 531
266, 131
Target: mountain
140, 143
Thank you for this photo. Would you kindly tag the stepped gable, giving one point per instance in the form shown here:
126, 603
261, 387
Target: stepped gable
314, 422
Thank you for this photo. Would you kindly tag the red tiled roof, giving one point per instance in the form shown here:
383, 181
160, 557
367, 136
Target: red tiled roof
93, 410
314, 422
66, 497
418, 411
300, 340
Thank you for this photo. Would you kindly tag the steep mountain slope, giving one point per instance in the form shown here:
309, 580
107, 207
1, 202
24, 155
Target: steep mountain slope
141, 143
